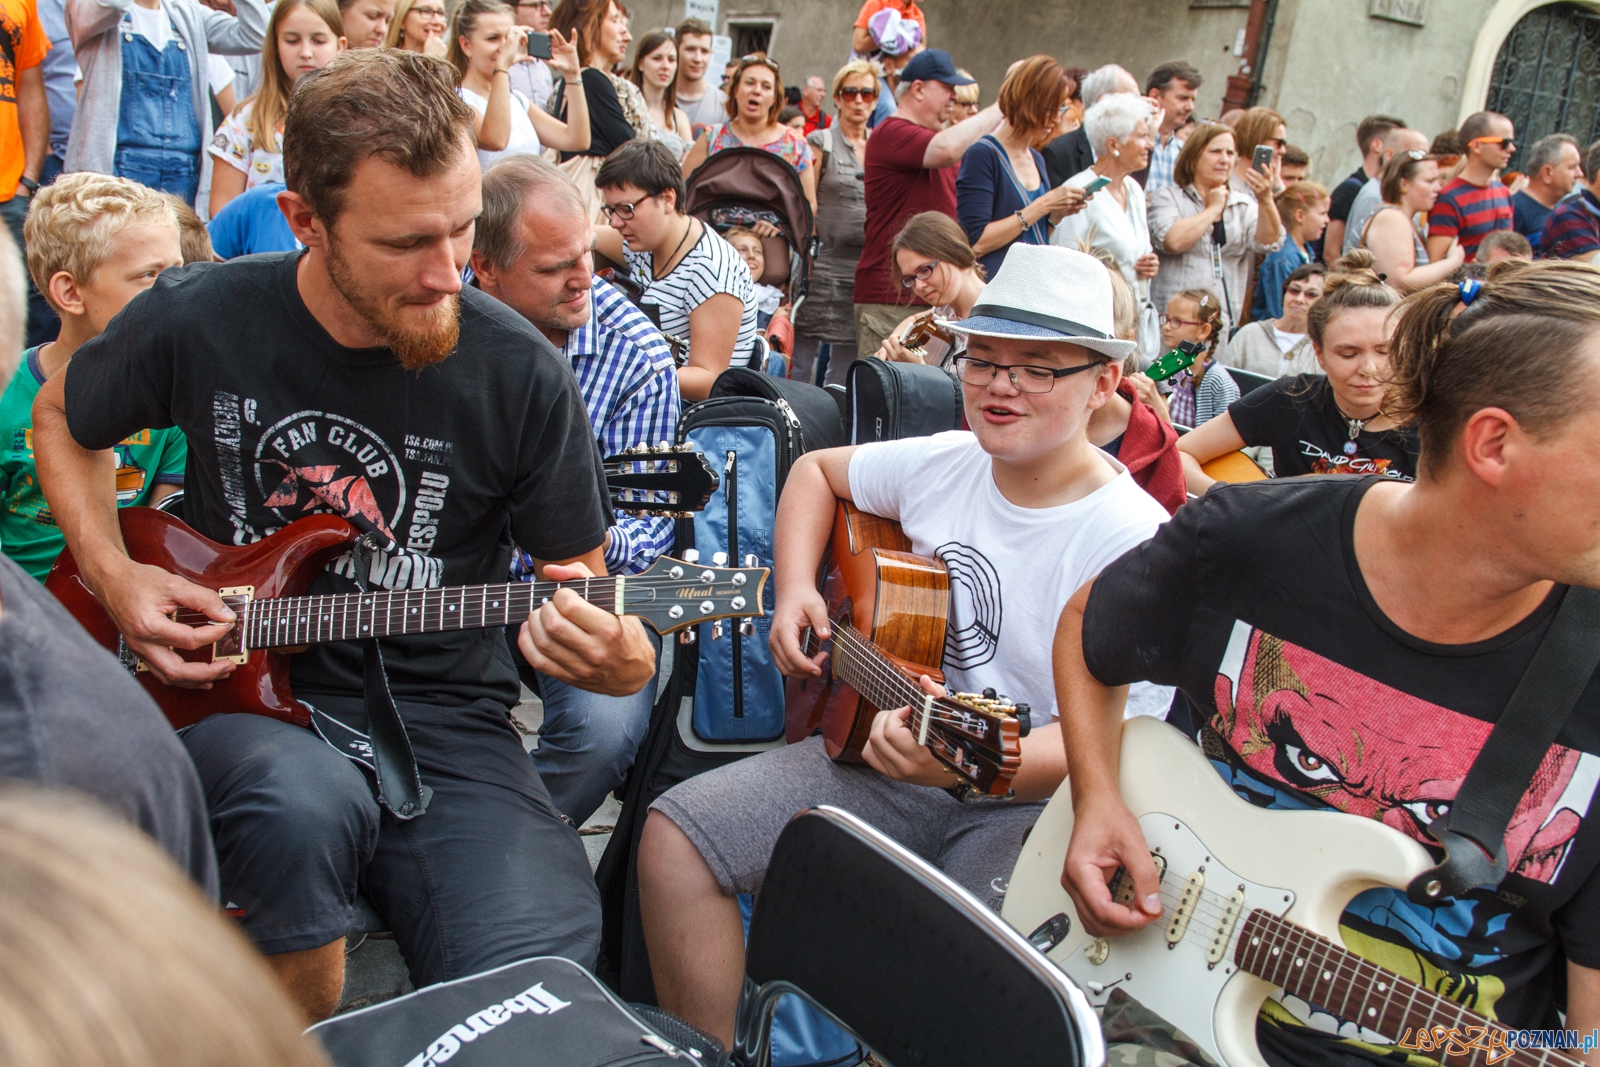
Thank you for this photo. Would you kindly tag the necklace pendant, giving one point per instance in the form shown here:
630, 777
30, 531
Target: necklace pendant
1349, 448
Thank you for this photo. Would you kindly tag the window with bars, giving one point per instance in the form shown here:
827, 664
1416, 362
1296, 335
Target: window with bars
1547, 76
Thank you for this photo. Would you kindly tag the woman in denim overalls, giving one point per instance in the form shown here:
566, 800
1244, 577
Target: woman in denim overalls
144, 112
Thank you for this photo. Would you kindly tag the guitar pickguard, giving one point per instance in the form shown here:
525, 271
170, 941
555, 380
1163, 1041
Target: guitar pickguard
1160, 965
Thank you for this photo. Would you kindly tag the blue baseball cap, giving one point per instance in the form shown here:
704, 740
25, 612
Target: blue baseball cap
934, 65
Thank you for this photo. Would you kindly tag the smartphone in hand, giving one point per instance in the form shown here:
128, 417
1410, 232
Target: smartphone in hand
538, 45
1095, 186
1259, 161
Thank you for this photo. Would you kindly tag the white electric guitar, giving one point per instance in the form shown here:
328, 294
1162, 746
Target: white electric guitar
1251, 901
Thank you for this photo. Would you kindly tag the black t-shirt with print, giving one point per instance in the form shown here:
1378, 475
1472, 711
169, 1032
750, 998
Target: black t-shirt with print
1306, 695
454, 462
1299, 419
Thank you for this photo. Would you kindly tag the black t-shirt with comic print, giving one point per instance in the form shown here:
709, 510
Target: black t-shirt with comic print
454, 462
1305, 695
1299, 419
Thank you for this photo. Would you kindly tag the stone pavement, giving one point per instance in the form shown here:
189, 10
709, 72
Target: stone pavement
374, 971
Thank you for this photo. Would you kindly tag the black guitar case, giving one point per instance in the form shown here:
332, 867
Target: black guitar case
892, 401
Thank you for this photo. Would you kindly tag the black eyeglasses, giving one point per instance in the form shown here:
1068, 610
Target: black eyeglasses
918, 275
851, 92
621, 211
1025, 377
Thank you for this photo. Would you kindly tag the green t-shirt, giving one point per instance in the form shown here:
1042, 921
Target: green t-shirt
28, 533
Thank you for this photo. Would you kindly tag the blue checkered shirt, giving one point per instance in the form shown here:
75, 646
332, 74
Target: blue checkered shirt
630, 389
1163, 157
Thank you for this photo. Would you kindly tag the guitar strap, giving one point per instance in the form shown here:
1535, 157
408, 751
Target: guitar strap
400, 788
1473, 830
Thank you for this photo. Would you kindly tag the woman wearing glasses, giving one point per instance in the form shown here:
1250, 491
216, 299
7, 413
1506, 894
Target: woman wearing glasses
755, 96
825, 320
1409, 186
693, 284
1002, 194
930, 258
419, 26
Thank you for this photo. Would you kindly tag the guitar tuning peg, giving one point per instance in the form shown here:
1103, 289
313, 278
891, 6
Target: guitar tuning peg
666, 446
716, 630
751, 560
691, 555
688, 637
990, 694
719, 559
747, 629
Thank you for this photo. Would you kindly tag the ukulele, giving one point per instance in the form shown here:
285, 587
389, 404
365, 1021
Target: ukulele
262, 583
1251, 901
889, 609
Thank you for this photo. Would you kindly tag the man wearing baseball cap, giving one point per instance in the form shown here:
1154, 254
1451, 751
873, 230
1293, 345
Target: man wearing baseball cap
1023, 510
911, 166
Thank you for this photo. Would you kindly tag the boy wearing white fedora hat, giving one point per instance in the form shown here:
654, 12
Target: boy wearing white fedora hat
1023, 510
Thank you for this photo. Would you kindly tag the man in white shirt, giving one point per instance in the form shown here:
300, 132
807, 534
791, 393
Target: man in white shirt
704, 103
1024, 510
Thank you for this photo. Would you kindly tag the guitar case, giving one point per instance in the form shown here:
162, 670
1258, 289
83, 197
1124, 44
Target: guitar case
892, 401
724, 699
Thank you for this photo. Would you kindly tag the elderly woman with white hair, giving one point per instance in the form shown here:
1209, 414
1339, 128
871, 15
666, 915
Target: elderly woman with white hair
1119, 129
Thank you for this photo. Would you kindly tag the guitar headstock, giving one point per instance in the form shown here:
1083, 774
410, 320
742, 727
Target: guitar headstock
671, 480
678, 593
979, 736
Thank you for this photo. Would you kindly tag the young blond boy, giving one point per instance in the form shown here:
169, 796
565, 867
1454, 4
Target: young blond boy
94, 243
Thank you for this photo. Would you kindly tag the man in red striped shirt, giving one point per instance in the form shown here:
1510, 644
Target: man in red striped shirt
1474, 202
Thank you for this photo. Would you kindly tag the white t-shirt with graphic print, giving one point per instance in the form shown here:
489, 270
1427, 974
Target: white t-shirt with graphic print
232, 144
1012, 569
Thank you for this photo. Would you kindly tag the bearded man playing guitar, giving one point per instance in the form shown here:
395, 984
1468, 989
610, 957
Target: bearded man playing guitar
1348, 643
1022, 510
358, 378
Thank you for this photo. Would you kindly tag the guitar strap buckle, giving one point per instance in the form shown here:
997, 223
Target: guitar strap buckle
1467, 865
394, 764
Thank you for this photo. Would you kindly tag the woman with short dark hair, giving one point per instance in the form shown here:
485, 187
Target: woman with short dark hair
692, 282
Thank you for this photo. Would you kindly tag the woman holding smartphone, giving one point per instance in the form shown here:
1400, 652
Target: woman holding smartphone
485, 43
1114, 218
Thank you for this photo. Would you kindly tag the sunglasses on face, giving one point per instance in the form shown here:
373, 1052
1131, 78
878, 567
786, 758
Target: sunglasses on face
1507, 143
851, 92
1278, 142
919, 275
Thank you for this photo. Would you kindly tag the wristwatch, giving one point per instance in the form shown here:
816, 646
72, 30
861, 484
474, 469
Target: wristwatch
28, 184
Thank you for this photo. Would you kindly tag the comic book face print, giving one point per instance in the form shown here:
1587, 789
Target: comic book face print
1324, 731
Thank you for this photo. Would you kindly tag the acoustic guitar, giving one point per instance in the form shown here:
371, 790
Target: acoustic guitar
1251, 902
889, 609
263, 583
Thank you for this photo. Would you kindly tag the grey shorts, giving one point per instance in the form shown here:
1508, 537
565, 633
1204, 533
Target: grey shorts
734, 815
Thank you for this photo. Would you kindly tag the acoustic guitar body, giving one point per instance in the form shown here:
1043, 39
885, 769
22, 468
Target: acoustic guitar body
898, 599
281, 565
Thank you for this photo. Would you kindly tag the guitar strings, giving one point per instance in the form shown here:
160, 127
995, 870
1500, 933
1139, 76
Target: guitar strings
859, 652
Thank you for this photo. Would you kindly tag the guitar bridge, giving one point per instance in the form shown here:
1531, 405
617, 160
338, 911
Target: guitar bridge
232, 646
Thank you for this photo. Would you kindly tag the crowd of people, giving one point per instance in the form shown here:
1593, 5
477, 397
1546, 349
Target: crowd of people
482, 274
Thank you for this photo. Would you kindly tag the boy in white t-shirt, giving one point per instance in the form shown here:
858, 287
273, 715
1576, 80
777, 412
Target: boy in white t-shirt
1024, 511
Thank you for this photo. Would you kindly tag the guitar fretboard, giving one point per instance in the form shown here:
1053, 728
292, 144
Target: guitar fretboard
310, 620
1316, 970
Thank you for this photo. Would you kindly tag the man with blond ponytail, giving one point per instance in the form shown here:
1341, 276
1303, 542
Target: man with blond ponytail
1348, 643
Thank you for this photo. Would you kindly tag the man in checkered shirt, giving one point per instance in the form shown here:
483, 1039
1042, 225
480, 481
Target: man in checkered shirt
1172, 87
532, 251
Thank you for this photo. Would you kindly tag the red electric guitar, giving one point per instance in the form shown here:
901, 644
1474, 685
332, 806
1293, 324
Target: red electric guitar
263, 583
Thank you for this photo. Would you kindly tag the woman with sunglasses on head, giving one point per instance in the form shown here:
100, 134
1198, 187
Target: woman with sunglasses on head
419, 26
1409, 186
1336, 422
655, 72
1003, 194
483, 45
931, 258
693, 284
755, 96
825, 319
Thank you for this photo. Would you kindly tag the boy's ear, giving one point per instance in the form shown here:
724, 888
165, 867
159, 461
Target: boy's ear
64, 293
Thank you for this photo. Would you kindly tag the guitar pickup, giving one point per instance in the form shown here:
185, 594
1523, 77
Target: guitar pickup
232, 646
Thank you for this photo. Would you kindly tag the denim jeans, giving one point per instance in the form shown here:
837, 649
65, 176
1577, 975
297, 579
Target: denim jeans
588, 741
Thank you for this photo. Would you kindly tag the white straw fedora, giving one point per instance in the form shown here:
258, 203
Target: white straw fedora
1044, 292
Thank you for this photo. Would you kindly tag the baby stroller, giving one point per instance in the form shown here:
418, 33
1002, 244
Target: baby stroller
743, 186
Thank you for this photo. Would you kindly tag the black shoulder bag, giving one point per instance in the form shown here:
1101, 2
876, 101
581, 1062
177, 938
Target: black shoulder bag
1473, 830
